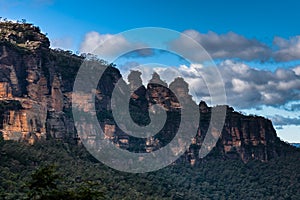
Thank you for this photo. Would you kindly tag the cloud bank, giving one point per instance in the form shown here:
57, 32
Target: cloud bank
280, 121
287, 49
232, 45
219, 46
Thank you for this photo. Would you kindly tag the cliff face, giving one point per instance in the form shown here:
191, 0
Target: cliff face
245, 137
30, 79
35, 103
248, 137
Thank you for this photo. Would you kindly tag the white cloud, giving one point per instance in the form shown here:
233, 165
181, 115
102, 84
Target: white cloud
110, 46
232, 45
239, 85
93, 39
254, 87
279, 120
287, 49
297, 70
289, 133
194, 70
229, 45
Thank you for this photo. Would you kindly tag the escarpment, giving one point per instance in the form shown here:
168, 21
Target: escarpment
36, 85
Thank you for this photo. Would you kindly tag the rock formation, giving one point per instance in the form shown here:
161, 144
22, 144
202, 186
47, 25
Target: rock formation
35, 103
31, 87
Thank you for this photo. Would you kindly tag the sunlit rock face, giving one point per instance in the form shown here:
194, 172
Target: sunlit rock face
31, 88
36, 86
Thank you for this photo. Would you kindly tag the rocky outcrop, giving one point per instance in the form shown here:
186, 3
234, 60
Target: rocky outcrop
31, 87
36, 92
23, 35
245, 137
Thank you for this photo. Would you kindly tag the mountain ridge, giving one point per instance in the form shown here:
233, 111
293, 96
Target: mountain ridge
36, 85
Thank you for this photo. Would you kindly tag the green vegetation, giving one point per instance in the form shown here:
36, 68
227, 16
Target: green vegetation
43, 185
55, 170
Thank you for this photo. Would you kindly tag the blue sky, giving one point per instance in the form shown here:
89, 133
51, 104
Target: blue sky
230, 30
254, 19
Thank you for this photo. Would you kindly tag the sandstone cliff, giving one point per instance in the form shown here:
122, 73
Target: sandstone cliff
245, 137
30, 76
35, 103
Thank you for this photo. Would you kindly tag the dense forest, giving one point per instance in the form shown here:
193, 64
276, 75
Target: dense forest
57, 170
